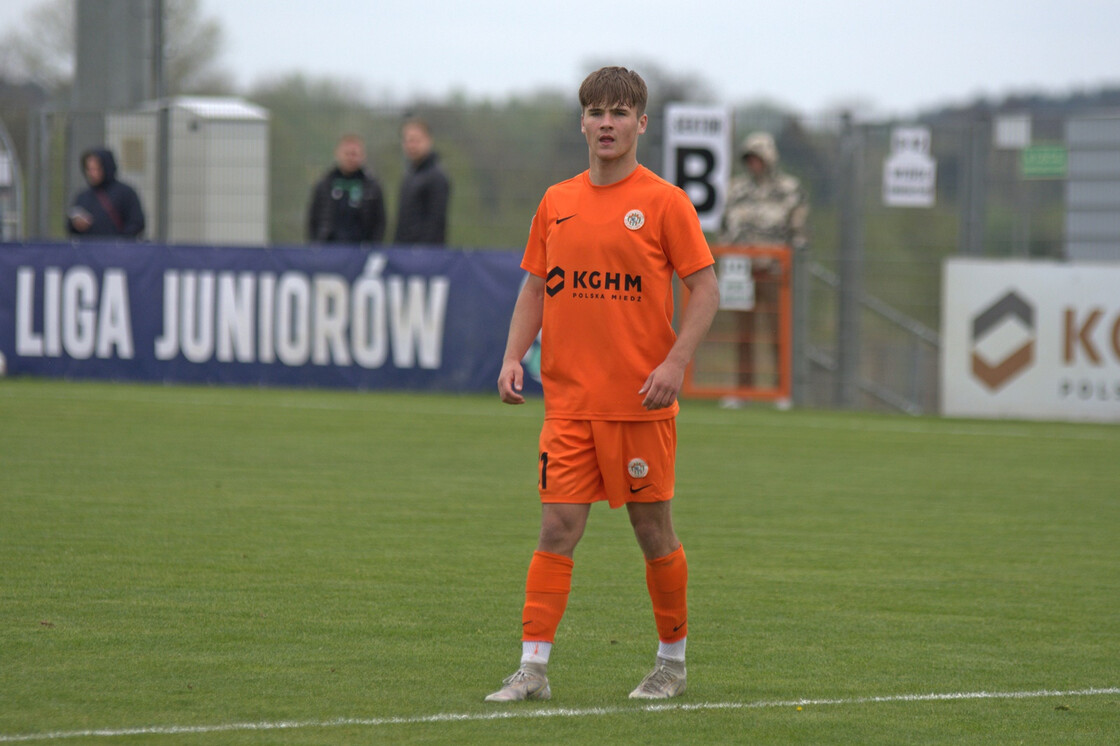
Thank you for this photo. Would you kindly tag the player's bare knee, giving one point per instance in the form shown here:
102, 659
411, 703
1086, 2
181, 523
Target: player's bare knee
560, 532
654, 532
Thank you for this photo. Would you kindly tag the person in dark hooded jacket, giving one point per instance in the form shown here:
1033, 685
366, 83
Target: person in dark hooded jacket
109, 207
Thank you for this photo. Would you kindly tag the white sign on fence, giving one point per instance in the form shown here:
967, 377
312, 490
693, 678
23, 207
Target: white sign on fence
736, 284
910, 173
698, 157
1011, 131
1030, 340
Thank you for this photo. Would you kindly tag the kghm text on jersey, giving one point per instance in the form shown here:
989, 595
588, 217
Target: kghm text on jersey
596, 280
592, 279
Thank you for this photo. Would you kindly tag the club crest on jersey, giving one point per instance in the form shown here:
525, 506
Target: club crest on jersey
634, 220
638, 468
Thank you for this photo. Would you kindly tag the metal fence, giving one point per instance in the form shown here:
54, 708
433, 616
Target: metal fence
870, 289
868, 293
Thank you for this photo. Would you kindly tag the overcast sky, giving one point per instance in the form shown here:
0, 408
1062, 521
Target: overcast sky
807, 54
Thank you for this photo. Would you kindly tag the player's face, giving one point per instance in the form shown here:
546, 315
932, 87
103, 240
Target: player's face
612, 131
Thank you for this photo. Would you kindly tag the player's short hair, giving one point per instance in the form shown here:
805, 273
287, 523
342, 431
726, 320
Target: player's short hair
614, 85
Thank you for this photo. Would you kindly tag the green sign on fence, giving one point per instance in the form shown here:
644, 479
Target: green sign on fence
1043, 162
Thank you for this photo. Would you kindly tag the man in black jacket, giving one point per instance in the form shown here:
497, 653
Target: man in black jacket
108, 207
425, 190
347, 205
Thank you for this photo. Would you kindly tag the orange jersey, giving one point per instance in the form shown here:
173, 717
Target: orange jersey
608, 255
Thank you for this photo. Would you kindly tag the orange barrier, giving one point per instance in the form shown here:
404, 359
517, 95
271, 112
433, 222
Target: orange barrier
748, 353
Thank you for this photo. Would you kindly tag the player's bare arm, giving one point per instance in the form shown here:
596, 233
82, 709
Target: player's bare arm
524, 326
664, 383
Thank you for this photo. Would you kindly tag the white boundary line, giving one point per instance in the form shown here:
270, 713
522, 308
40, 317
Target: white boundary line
506, 714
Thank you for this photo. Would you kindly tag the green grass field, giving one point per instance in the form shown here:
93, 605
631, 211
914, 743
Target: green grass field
187, 565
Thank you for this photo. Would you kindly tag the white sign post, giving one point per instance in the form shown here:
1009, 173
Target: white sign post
698, 157
910, 172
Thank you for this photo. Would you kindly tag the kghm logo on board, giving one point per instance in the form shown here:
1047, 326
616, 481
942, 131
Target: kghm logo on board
1003, 341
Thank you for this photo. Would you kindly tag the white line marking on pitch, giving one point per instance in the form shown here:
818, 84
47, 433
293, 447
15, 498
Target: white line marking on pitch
174, 730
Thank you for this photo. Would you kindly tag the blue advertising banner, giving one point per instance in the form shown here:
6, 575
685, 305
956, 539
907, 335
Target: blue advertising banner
404, 318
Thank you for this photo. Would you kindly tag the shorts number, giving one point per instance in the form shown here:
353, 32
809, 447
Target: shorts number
544, 470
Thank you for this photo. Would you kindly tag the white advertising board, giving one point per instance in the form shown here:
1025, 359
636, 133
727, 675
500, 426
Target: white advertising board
698, 157
1030, 340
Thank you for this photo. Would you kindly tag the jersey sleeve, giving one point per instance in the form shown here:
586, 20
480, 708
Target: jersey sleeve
535, 260
686, 246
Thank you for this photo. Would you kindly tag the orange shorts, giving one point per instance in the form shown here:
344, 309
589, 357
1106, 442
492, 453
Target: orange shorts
585, 461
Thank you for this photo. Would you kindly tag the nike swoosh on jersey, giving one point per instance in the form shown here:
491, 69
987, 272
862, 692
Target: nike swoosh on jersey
561, 220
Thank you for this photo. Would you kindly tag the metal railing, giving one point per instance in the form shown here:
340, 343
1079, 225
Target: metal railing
897, 359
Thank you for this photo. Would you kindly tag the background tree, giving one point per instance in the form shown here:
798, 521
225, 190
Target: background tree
193, 50
42, 51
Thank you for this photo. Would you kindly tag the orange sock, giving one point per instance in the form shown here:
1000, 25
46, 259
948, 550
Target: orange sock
667, 580
546, 595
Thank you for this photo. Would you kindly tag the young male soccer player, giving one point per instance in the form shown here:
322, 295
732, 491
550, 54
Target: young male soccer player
601, 255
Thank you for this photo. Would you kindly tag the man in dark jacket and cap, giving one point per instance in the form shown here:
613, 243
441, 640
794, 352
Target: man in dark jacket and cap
425, 190
108, 207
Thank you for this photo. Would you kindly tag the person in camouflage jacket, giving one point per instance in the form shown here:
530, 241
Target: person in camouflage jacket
765, 206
